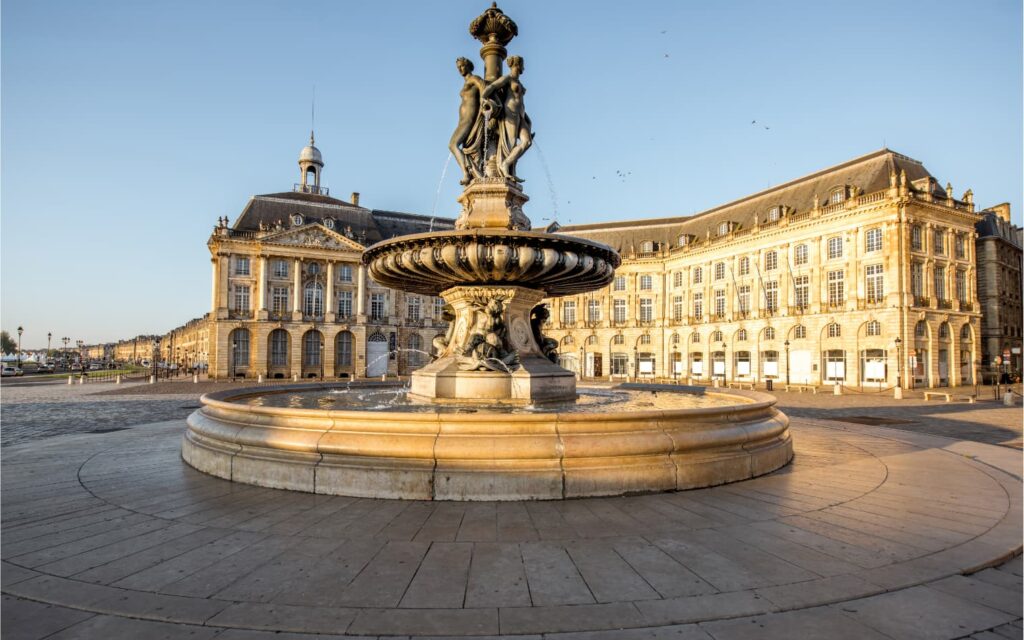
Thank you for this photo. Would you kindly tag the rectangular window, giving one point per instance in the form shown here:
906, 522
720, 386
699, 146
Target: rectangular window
771, 296
344, 304
698, 275
743, 295
916, 241
802, 291
698, 305
939, 242
836, 288
377, 306
678, 309
835, 248
241, 266
961, 253
719, 271
646, 309
800, 255
873, 240
280, 268
961, 285
569, 312
345, 273
720, 303
279, 299
917, 279
241, 297
835, 365
744, 266
620, 364
593, 311
619, 311
771, 261
438, 308
412, 308
874, 282
619, 284
646, 282
677, 279
940, 283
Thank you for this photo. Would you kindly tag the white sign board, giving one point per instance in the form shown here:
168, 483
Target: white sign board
718, 367
874, 370
679, 366
771, 368
835, 370
697, 367
743, 368
646, 366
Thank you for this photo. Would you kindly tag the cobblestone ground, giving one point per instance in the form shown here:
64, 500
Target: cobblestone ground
35, 411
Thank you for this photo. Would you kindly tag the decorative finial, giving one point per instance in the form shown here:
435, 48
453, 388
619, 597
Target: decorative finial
312, 140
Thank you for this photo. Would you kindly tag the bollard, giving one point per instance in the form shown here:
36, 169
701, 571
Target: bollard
69, 379
117, 380
295, 377
152, 379
195, 378
81, 380
897, 393
1008, 398
714, 383
384, 378
769, 385
259, 378
837, 389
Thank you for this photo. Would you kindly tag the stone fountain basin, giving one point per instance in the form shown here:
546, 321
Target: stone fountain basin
485, 456
429, 263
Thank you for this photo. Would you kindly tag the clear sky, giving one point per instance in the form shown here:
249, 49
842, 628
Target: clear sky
128, 127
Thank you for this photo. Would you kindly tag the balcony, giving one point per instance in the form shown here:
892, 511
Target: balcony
720, 316
240, 314
645, 323
836, 305
945, 304
799, 309
308, 188
377, 319
921, 301
966, 306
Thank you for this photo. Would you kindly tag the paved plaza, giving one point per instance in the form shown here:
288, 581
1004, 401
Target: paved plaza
895, 520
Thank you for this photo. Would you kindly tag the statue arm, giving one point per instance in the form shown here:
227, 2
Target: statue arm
494, 86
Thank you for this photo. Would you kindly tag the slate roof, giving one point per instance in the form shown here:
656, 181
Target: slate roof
868, 173
367, 225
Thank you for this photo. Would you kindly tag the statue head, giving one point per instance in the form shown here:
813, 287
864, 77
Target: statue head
516, 62
464, 65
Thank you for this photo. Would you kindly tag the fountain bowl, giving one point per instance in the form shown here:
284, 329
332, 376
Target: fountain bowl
437, 454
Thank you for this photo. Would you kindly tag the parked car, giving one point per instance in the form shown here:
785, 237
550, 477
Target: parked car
46, 368
76, 366
95, 366
11, 371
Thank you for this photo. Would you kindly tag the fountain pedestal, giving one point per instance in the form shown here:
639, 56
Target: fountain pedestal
493, 351
493, 203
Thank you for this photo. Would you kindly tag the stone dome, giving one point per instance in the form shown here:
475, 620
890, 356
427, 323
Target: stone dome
310, 153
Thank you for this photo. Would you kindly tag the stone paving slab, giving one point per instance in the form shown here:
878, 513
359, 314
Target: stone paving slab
868, 532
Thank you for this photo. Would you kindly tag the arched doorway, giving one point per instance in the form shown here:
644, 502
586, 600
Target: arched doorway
238, 358
278, 354
343, 355
376, 355
312, 354
966, 354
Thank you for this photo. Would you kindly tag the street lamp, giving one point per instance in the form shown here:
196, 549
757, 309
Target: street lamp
786, 344
65, 340
49, 335
231, 362
81, 360
583, 355
636, 364
20, 330
725, 353
156, 356
675, 358
321, 360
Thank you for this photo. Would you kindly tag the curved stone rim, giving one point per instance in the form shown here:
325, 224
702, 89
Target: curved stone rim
555, 284
454, 456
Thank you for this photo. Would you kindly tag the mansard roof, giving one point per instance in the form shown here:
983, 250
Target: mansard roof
867, 173
264, 212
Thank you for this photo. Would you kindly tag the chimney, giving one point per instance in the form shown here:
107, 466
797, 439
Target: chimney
355, 198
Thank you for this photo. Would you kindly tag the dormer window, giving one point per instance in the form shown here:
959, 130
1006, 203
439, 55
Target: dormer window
724, 228
837, 195
329, 223
774, 214
647, 246
684, 240
297, 219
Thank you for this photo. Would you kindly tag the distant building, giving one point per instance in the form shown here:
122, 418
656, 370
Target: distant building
830, 278
998, 246
291, 298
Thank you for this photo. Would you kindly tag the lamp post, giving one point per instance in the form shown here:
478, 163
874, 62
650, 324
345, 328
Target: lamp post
231, 361
899, 368
321, 360
786, 344
675, 358
156, 357
81, 359
636, 364
65, 340
583, 361
49, 336
725, 353
20, 330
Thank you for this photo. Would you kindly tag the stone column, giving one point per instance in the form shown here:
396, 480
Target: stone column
329, 305
222, 287
361, 293
214, 301
297, 291
261, 288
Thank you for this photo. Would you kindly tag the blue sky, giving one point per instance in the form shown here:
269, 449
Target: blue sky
129, 127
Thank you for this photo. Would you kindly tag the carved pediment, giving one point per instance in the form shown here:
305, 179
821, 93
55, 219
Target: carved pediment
314, 235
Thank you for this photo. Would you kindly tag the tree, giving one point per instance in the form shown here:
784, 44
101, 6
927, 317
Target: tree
7, 345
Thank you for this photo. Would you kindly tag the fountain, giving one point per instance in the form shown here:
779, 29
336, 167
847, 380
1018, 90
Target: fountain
492, 417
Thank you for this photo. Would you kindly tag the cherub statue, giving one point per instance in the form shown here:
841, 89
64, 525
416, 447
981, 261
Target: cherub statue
441, 341
548, 346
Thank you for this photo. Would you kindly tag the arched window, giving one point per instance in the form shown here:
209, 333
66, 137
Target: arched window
344, 349
591, 339
944, 331
416, 354
837, 195
716, 336
238, 341
278, 348
965, 332
675, 338
799, 332
874, 328
618, 339
645, 339
329, 223
297, 219
921, 329
769, 333
313, 299
312, 345
834, 331
683, 240
695, 338
568, 340
741, 335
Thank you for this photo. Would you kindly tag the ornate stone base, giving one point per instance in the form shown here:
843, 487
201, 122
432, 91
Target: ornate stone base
493, 203
493, 351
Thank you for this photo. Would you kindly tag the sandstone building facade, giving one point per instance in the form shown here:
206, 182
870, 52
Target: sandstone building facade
998, 248
862, 274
